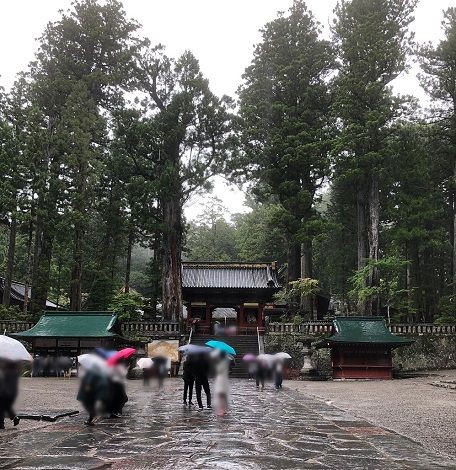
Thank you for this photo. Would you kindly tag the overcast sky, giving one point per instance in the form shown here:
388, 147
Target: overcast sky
220, 33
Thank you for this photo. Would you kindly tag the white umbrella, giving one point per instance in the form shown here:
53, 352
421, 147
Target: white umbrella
13, 350
266, 357
282, 355
145, 363
92, 361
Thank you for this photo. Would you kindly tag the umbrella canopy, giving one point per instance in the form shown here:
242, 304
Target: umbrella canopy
249, 357
190, 349
221, 346
266, 357
12, 350
282, 355
92, 362
104, 353
145, 363
119, 355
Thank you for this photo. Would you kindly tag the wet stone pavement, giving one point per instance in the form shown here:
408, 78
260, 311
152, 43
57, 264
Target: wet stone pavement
264, 430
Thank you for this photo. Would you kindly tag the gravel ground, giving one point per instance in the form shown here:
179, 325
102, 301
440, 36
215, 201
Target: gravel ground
412, 407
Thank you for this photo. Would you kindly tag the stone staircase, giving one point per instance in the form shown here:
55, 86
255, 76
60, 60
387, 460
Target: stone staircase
243, 344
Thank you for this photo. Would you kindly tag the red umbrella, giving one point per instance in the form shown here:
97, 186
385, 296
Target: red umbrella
119, 355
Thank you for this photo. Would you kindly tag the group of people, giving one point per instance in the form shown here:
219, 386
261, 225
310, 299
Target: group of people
102, 389
197, 368
50, 366
103, 377
263, 368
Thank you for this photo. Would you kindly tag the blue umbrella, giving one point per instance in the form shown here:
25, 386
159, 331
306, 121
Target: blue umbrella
221, 346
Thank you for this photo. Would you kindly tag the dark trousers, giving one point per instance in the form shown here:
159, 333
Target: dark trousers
278, 379
6, 409
259, 379
188, 389
199, 384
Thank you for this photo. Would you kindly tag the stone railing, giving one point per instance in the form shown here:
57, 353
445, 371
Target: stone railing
312, 328
152, 329
309, 328
423, 329
11, 326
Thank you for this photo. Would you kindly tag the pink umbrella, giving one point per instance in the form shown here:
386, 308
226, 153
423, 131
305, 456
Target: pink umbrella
249, 357
119, 355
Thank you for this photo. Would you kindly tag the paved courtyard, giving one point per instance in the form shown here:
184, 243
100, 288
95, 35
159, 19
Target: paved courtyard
264, 430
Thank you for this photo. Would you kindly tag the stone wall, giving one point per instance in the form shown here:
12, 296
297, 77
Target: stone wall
429, 352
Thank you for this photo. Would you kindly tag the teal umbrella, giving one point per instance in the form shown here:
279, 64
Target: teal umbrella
220, 345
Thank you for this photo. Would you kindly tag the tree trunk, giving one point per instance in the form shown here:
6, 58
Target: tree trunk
293, 261
373, 235
172, 251
454, 229
10, 262
306, 272
362, 239
76, 272
41, 267
131, 237
28, 268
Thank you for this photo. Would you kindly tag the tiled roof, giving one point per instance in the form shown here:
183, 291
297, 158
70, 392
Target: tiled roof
18, 292
362, 330
72, 324
229, 275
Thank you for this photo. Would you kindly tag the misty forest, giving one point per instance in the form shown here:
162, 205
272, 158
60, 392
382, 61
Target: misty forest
351, 188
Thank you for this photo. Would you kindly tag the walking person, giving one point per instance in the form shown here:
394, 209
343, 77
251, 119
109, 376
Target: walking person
189, 380
201, 369
278, 373
9, 380
221, 385
260, 374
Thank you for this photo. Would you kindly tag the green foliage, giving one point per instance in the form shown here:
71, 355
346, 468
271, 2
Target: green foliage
284, 126
12, 313
294, 293
128, 307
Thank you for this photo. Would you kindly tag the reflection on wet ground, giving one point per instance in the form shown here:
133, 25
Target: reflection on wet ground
264, 430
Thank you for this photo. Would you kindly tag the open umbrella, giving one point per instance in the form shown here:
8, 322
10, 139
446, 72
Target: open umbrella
266, 357
221, 346
119, 355
190, 349
145, 363
13, 350
249, 357
92, 362
104, 353
282, 355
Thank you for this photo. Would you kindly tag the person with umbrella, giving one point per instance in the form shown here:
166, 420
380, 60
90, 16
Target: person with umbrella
279, 360
190, 352
117, 398
189, 379
201, 367
12, 353
93, 390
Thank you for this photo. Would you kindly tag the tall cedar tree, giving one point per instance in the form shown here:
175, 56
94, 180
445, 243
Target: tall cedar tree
373, 39
91, 43
439, 80
284, 109
192, 125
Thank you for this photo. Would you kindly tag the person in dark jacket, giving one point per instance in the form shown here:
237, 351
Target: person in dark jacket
201, 367
92, 392
189, 380
9, 380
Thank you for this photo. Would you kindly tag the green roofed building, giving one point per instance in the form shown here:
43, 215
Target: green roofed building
73, 333
361, 348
